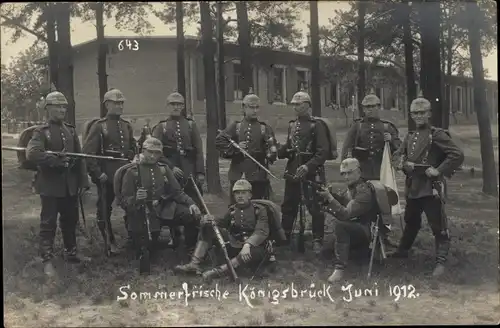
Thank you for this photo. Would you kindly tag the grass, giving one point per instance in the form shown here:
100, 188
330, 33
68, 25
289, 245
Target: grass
86, 295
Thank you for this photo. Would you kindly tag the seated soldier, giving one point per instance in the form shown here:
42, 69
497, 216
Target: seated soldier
245, 225
152, 197
351, 213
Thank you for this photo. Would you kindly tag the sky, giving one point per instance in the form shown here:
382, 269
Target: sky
82, 32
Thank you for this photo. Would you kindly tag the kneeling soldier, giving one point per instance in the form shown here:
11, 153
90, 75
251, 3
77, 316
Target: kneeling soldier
352, 212
246, 226
151, 195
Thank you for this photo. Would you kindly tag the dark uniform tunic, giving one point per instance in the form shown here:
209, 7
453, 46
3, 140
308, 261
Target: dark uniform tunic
368, 133
183, 148
173, 206
110, 136
307, 143
429, 146
260, 138
240, 225
351, 212
57, 185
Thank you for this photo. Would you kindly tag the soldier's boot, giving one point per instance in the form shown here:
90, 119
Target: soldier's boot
442, 248
336, 276
220, 271
198, 256
402, 251
71, 255
144, 261
317, 246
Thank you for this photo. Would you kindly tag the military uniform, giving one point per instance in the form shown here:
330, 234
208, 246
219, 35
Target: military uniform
145, 134
306, 144
183, 148
172, 206
365, 141
242, 224
261, 145
428, 146
58, 181
109, 136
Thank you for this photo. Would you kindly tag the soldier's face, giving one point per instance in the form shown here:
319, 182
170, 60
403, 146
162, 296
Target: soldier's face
251, 111
351, 176
371, 111
176, 109
242, 196
115, 107
420, 116
56, 112
301, 109
150, 156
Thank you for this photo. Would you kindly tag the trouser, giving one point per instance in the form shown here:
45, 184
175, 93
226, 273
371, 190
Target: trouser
257, 253
110, 197
260, 190
191, 231
290, 207
349, 235
67, 207
437, 219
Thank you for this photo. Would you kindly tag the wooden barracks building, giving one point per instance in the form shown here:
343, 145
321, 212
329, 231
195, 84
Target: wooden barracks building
144, 69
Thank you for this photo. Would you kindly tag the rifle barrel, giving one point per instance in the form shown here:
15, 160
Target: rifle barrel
109, 158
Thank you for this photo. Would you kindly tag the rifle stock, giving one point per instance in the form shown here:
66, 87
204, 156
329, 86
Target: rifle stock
103, 222
218, 235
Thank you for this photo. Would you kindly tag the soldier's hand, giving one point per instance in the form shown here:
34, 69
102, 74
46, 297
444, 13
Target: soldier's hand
301, 171
243, 145
207, 219
201, 178
387, 136
178, 174
432, 172
64, 161
103, 177
245, 253
155, 202
408, 166
271, 157
194, 210
141, 194
325, 194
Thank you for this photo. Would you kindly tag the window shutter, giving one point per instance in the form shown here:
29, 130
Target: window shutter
270, 85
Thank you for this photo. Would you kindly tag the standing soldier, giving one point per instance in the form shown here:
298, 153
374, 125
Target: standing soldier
257, 138
306, 149
426, 156
109, 136
366, 139
183, 148
59, 180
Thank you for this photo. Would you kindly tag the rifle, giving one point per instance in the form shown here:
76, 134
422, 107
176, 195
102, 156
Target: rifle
144, 263
244, 152
80, 201
376, 240
61, 153
103, 222
220, 239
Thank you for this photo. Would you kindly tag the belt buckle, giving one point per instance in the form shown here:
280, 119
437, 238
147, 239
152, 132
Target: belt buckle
182, 152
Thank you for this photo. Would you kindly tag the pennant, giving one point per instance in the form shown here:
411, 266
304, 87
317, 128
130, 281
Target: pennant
388, 177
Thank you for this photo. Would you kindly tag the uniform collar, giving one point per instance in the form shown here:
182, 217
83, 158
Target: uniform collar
371, 119
55, 122
250, 120
304, 118
242, 207
175, 118
423, 127
113, 117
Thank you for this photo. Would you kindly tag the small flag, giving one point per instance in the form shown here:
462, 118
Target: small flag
388, 178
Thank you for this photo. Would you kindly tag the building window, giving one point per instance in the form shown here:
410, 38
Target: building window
333, 92
238, 80
279, 84
459, 99
302, 79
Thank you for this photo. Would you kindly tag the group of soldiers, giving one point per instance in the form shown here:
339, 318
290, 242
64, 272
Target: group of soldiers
161, 175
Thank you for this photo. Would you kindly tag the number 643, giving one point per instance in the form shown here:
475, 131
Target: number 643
130, 44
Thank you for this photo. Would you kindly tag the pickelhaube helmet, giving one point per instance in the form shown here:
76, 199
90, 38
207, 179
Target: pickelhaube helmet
251, 98
349, 165
56, 98
371, 99
175, 98
114, 95
420, 103
242, 185
152, 144
300, 97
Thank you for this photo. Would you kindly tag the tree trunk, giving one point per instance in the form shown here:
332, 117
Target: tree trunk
449, 60
315, 73
52, 46
181, 65
361, 55
490, 177
221, 71
411, 88
245, 50
208, 48
101, 55
66, 59
430, 72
